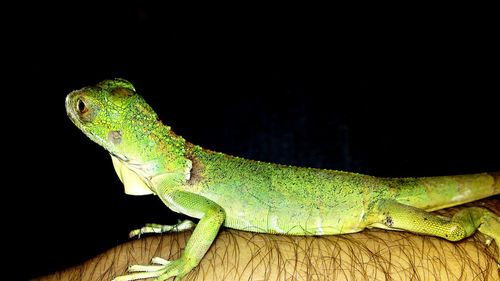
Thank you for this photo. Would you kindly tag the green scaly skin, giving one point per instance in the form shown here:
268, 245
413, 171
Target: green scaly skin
261, 197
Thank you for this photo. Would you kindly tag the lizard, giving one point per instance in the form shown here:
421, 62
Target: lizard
243, 194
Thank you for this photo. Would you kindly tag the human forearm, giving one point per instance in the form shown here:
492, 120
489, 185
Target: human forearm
368, 255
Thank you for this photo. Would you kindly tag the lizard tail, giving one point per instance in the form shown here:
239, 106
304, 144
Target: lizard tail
447, 191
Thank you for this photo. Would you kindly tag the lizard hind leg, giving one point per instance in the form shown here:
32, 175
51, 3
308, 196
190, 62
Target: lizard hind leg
389, 214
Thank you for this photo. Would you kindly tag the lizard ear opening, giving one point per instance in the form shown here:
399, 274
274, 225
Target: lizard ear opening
133, 184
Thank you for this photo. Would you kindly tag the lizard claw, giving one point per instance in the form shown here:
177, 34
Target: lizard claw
158, 264
488, 241
161, 269
158, 260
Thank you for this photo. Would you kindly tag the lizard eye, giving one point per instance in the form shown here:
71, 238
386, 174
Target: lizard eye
81, 107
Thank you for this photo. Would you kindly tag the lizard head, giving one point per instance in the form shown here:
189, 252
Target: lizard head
113, 115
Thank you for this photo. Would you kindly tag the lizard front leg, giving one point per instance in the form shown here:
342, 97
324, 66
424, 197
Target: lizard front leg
389, 214
212, 217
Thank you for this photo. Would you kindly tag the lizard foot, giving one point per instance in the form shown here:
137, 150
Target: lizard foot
160, 269
491, 227
159, 228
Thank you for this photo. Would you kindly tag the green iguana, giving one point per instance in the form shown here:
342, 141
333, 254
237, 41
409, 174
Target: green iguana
220, 189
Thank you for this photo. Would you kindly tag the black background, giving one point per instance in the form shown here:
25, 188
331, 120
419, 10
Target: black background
406, 93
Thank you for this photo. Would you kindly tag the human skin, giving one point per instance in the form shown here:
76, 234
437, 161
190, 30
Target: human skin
369, 255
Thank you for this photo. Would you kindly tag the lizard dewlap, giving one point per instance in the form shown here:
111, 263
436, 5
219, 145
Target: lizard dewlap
218, 189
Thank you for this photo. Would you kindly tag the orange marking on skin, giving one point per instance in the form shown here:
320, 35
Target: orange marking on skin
496, 180
122, 92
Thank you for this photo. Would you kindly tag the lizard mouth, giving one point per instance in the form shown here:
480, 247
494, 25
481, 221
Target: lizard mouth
120, 157
70, 109
78, 109
80, 115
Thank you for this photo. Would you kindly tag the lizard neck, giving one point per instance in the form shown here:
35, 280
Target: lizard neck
160, 158
157, 147
168, 149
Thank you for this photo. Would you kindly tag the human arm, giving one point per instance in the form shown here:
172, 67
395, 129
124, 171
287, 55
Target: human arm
368, 255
